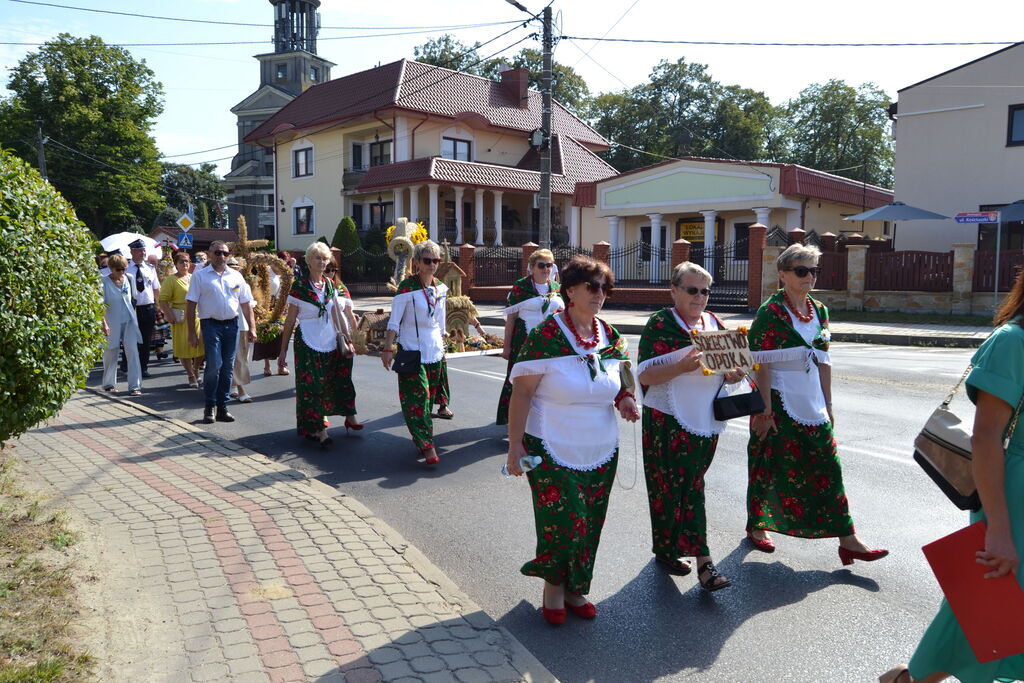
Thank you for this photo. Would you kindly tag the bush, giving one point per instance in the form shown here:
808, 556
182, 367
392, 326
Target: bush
51, 332
346, 238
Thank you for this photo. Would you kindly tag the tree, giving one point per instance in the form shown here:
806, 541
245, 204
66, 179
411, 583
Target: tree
346, 238
50, 330
841, 129
450, 53
183, 185
97, 105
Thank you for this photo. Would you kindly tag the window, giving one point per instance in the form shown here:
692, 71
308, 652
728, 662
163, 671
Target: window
453, 148
741, 238
314, 74
357, 157
357, 215
380, 153
381, 214
302, 162
281, 72
303, 220
268, 202
268, 168
645, 239
1015, 126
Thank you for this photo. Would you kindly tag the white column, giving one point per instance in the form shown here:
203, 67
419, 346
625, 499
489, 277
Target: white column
434, 225
709, 240
365, 222
764, 216
613, 241
497, 216
414, 203
478, 204
399, 205
655, 264
575, 229
458, 215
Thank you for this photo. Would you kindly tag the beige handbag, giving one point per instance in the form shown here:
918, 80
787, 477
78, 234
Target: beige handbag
345, 347
943, 450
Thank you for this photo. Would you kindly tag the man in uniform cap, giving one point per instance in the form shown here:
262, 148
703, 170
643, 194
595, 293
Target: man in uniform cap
147, 293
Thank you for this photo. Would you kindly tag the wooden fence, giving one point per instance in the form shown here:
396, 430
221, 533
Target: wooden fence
1010, 262
910, 271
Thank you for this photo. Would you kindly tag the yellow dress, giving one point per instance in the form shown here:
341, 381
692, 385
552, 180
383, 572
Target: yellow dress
173, 290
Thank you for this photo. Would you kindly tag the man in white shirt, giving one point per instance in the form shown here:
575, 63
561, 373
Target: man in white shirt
218, 294
147, 288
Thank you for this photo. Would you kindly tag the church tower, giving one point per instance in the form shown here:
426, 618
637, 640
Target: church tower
285, 73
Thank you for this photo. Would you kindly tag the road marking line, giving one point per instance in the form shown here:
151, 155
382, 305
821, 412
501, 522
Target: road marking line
488, 375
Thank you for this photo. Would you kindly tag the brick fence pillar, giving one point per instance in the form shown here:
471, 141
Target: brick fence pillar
856, 268
603, 252
828, 242
680, 252
528, 249
796, 236
963, 277
769, 273
467, 262
755, 247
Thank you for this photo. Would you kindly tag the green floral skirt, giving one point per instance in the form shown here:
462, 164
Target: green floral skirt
569, 508
418, 393
795, 483
675, 462
518, 339
323, 386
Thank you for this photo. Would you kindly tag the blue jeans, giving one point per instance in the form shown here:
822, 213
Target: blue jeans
220, 338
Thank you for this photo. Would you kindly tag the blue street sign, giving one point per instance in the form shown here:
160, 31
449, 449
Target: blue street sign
185, 240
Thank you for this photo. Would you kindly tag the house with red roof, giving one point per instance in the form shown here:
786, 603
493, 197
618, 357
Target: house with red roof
438, 146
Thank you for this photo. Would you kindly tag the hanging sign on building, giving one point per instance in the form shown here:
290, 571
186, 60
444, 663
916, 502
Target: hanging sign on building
691, 231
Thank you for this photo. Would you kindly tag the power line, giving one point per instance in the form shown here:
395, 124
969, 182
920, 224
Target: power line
242, 23
760, 44
188, 154
610, 28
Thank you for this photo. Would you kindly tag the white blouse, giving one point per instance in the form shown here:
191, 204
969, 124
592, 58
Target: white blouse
572, 414
687, 397
794, 374
410, 313
531, 311
318, 331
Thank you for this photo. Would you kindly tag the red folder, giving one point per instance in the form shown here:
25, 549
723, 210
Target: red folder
990, 611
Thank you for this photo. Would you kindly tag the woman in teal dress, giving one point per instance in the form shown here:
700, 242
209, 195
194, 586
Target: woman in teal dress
995, 385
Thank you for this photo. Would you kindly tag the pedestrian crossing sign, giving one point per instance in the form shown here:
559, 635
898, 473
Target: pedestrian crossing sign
185, 223
185, 239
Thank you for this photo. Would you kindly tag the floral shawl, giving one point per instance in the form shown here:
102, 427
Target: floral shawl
524, 289
411, 284
548, 341
773, 330
304, 291
662, 335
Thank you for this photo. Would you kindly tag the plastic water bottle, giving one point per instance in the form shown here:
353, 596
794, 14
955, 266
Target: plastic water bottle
526, 463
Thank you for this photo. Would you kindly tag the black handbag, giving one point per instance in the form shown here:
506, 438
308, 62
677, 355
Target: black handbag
407, 361
737, 405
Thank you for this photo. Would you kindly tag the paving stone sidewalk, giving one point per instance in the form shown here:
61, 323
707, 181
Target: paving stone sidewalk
246, 570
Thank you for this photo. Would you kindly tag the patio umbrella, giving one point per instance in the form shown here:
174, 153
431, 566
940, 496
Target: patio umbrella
120, 241
897, 211
1012, 212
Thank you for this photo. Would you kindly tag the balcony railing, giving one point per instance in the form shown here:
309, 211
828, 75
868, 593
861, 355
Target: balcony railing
352, 176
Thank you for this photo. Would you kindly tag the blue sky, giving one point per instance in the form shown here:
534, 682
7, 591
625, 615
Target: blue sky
202, 83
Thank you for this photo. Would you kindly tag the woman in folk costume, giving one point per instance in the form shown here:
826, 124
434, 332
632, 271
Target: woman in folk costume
418, 321
532, 299
795, 483
566, 386
321, 370
679, 426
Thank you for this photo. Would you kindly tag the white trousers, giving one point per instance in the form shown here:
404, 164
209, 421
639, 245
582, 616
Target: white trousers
110, 364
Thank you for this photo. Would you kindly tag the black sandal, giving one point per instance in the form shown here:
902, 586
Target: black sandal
674, 566
709, 584
445, 413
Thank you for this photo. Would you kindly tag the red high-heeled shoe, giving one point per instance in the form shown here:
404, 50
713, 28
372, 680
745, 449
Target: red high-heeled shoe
555, 617
584, 611
848, 556
354, 426
431, 459
765, 545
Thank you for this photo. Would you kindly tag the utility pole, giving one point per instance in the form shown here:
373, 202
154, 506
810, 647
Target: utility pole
40, 141
544, 198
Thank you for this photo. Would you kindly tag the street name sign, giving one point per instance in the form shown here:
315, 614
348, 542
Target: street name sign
977, 217
185, 240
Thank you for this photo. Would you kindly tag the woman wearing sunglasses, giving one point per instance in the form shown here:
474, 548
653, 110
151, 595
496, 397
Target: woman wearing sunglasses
679, 426
795, 484
566, 387
532, 299
418, 321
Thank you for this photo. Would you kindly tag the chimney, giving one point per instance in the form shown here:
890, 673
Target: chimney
516, 83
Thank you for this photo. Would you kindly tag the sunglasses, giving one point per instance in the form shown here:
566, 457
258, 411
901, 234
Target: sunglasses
330, 270
594, 287
431, 261
544, 265
804, 271
694, 291
117, 270
222, 253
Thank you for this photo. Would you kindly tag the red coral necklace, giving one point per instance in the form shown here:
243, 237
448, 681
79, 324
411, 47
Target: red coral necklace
580, 340
804, 318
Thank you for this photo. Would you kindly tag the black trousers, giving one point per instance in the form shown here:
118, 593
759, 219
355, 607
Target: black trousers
147, 321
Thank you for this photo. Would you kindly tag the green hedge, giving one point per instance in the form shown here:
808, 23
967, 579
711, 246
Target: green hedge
51, 332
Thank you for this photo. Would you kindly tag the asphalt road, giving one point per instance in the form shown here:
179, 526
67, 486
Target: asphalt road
796, 615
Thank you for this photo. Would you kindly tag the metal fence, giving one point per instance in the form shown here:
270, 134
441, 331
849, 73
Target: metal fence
1010, 262
497, 266
367, 272
564, 254
727, 264
833, 270
910, 271
641, 265
777, 237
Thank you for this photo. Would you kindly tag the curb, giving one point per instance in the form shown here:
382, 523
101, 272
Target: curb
520, 658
